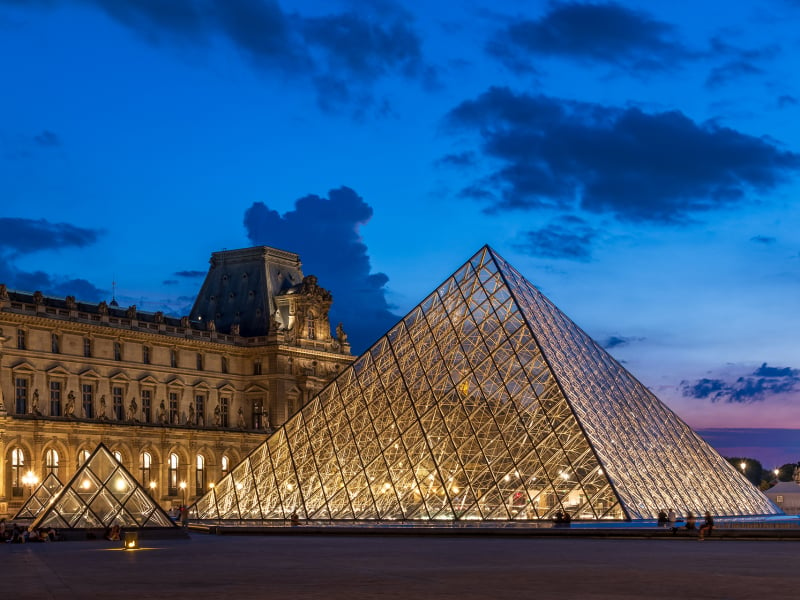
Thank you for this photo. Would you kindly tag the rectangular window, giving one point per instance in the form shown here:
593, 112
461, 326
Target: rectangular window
173, 408
258, 413
21, 395
199, 361
223, 411
87, 397
173, 359
256, 367
147, 403
21, 339
117, 351
200, 409
224, 364
779, 499
55, 398
87, 347
54, 343
117, 394
146, 355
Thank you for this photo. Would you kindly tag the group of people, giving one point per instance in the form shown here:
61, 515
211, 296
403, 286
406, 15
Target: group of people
563, 519
15, 534
670, 519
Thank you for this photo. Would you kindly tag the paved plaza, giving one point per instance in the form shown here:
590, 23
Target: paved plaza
351, 567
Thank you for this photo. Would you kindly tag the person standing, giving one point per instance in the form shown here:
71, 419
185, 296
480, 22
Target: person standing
707, 526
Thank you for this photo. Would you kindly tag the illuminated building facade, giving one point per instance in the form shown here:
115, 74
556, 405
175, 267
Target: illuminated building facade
174, 399
484, 403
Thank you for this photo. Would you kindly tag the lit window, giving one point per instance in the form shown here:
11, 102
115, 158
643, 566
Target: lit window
17, 466
51, 461
200, 475
225, 465
145, 463
173, 475
83, 456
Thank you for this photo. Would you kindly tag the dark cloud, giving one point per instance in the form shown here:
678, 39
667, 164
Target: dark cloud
567, 237
190, 274
786, 101
19, 237
23, 236
47, 139
460, 159
606, 33
639, 166
170, 282
340, 54
325, 232
756, 387
763, 239
731, 71
618, 341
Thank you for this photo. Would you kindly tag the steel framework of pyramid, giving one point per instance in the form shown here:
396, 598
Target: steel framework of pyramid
484, 403
41, 497
102, 493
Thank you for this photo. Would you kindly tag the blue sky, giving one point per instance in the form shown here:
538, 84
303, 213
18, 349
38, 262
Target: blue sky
638, 162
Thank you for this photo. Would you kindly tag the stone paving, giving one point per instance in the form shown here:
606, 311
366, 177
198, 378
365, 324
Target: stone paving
352, 567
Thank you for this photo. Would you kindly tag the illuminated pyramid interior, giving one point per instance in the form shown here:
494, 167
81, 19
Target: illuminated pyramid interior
40, 498
102, 493
484, 403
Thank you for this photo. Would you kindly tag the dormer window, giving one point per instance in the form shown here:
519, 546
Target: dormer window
311, 328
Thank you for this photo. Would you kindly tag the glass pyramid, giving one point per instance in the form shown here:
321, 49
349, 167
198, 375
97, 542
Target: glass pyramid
40, 498
484, 403
102, 493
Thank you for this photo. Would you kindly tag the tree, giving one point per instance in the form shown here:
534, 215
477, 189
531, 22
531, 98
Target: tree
750, 468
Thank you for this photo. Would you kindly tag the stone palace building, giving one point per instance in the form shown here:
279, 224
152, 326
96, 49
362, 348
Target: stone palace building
178, 401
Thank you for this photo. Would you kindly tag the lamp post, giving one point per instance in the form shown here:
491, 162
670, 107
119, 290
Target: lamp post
777, 472
182, 485
152, 486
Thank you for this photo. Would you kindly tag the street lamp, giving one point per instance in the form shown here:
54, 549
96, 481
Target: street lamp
182, 485
777, 472
152, 489
30, 480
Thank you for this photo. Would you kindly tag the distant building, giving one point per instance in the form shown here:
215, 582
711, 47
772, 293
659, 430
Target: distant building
786, 495
178, 401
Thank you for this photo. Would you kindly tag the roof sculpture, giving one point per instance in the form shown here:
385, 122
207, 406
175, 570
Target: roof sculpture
41, 497
102, 493
484, 403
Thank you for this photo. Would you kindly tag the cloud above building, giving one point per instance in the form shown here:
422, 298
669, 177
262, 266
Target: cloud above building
21, 237
637, 166
340, 54
591, 33
324, 231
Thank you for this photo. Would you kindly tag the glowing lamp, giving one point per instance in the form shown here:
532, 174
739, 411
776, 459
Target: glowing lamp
130, 540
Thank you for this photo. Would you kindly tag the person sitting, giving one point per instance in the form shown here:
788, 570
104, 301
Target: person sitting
559, 519
294, 519
690, 522
707, 527
113, 534
567, 519
662, 518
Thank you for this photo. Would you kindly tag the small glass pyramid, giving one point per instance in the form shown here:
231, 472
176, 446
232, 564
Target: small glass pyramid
40, 498
484, 403
102, 493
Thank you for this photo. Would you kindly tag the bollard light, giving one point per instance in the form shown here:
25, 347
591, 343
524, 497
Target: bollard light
130, 540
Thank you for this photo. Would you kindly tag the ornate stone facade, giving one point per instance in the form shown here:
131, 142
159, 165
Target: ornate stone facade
178, 400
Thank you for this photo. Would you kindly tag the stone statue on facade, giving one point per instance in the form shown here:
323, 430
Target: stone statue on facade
70, 302
102, 416
102, 308
235, 329
132, 410
3, 292
211, 326
131, 312
35, 404
38, 297
162, 413
158, 317
69, 409
190, 419
341, 336
240, 421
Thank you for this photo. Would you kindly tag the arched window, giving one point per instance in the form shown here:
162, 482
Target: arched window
145, 462
83, 456
226, 465
17, 466
200, 475
172, 480
51, 461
